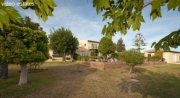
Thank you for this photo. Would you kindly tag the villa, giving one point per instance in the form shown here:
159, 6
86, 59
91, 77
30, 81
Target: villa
86, 46
169, 56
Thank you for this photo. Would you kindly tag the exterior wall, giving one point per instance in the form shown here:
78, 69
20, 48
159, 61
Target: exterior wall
50, 53
88, 44
146, 54
92, 45
83, 43
171, 57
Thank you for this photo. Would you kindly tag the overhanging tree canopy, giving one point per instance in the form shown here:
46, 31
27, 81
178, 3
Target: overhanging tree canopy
42, 8
125, 14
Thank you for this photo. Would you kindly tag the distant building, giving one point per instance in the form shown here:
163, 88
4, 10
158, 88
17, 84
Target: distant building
86, 46
169, 56
84, 49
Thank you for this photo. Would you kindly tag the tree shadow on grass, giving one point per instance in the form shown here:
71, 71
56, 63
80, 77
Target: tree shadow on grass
153, 84
69, 79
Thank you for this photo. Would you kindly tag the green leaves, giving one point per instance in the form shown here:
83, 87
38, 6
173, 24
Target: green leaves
21, 44
63, 42
173, 4
132, 57
101, 4
8, 14
125, 14
121, 15
43, 8
106, 46
170, 41
120, 45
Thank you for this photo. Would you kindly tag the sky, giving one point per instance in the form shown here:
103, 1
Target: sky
81, 18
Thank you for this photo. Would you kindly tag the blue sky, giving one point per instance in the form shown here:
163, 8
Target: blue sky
81, 18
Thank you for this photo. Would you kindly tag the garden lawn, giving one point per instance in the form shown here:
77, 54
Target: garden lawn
70, 80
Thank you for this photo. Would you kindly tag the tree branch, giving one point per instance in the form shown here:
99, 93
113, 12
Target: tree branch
147, 4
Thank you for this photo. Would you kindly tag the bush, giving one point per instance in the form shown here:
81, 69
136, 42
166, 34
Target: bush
114, 56
155, 58
132, 58
75, 56
94, 52
83, 58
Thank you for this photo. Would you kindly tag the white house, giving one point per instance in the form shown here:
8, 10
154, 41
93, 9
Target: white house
86, 46
169, 56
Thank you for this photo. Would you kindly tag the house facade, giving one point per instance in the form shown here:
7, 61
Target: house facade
86, 46
169, 56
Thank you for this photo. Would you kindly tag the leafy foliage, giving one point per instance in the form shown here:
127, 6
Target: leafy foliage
120, 45
42, 8
132, 58
63, 42
8, 14
94, 52
23, 45
106, 46
139, 41
122, 15
170, 41
158, 55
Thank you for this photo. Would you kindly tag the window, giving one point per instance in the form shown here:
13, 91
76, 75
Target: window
94, 46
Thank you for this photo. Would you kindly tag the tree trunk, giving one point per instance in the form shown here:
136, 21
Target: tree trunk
104, 57
131, 69
0, 70
4, 70
23, 74
64, 57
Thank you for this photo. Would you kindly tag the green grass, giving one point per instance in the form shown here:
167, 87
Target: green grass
68, 80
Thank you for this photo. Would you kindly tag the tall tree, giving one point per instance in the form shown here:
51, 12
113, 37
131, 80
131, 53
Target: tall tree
106, 47
121, 15
23, 45
120, 47
139, 41
63, 42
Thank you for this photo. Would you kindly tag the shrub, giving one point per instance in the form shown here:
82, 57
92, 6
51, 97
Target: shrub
155, 58
114, 56
132, 58
83, 58
94, 52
